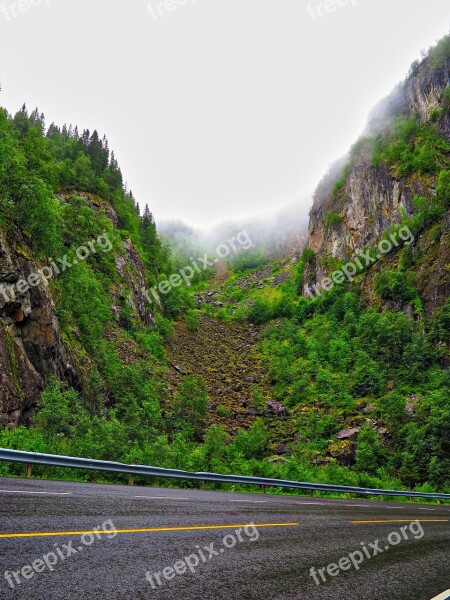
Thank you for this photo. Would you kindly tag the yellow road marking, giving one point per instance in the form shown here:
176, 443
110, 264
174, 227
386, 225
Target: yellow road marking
144, 530
403, 521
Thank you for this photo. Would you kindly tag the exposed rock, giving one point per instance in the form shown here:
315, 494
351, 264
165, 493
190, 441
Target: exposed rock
226, 355
255, 412
411, 404
31, 347
373, 198
281, 448
432, 274
275, 408
133, 275
277, 459
344, 452
346, 434
31, 344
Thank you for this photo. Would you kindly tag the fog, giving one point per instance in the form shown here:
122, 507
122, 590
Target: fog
216, 109
281, 234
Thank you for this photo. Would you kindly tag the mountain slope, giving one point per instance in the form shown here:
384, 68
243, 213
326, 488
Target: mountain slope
335, 361
398, 169
360, 359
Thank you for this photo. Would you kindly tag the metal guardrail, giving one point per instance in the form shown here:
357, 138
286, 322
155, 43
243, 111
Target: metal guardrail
34, 458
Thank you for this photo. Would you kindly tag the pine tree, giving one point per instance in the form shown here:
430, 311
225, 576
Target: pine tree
150, 241
98, 154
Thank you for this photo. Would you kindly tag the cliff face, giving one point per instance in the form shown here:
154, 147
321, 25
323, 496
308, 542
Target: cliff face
371, 200
31, 348
369, 197
422, 92
32, 345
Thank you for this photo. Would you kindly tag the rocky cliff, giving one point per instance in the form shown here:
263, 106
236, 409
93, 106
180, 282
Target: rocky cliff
32, 345
361, 198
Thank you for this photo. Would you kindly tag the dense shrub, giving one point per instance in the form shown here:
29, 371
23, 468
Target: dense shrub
332, 218
394, 285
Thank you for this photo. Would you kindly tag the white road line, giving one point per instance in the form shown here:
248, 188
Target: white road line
252, 501
357, 505
162, 497
311, 503
427, 509
27, 492
443, 596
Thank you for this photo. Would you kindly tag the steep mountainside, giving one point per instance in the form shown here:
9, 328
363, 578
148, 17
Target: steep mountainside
404, 156
329, 366
76, 259
359, 363
226, 355
32, 346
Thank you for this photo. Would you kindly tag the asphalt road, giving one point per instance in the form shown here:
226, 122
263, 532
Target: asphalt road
146, 531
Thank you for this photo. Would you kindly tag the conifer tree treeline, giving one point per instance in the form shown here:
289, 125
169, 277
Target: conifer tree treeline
37, 162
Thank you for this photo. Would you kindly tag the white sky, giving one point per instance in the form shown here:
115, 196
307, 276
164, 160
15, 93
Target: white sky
220, 108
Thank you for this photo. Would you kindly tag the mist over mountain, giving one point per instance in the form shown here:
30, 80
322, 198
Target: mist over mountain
320, 352
273, 236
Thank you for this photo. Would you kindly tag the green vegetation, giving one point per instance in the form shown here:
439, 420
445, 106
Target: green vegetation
440, 54
411, 147
446, 98
58, 186
363, 357
332, 218
306, 259
223, 411
340, 183
190, 407
395, 285
261, 311
193, 320
337, 362
248, 259
333, 356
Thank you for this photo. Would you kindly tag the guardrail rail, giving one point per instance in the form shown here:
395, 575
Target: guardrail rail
34, 458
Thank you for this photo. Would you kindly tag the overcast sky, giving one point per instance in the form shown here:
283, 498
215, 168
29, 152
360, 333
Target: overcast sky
215, 108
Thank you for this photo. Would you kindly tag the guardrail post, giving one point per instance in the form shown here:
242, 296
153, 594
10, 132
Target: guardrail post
264, 489
131, 476
28, 471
